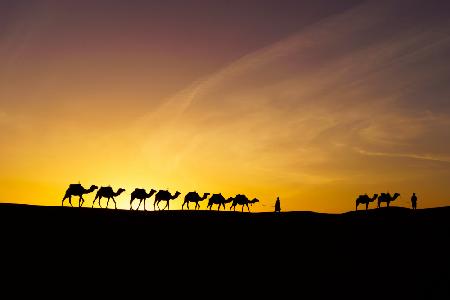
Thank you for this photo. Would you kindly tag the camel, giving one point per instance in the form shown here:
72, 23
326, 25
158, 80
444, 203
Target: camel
164, 195
218, 199
242, 200
77, 189
107, 192
386, 197
141, 195
364, 199
193, 197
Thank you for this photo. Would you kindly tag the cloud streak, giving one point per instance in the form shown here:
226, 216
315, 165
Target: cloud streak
304, 105
355, 102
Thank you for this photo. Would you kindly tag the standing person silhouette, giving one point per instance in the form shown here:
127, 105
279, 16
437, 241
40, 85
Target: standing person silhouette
414, 201
277, 205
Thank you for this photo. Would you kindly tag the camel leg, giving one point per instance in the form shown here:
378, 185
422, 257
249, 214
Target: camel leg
182, 206
367, 206
115, 204
356, 206
70, 201
80, 201
93, 202
387, 204
248, 208
140, 201
144, 204
131, 206
197, 205
187, 204
62, 203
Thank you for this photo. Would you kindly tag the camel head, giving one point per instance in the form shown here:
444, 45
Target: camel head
176, 195
375, 196
120, 191
93, 187
396, 195
254, 200
152, 191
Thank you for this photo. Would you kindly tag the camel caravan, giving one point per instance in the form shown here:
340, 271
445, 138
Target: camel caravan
160, 196
191, 197
383, 197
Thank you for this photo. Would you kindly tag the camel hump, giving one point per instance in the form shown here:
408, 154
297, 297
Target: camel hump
75, 185
241, 197
162, 193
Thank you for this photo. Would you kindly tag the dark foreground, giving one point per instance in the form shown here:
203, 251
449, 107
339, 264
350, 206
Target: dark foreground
380, 254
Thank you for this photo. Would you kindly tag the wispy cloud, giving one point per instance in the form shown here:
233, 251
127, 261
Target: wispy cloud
404, 155
300, 110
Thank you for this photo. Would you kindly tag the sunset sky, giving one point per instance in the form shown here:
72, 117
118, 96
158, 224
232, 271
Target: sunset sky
312, 101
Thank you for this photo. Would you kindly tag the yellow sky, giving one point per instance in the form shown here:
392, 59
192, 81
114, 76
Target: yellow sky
316, 118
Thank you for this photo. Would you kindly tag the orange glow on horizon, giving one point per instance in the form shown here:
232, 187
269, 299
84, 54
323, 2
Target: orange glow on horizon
316, 117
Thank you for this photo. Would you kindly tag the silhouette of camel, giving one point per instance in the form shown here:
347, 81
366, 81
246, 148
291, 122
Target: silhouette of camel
242, 200
193, 197
218, 199
77, 189
107, 192
164, 195
386, 197
141, 195
364, 199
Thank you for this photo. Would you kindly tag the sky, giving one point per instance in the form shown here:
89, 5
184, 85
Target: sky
314, 102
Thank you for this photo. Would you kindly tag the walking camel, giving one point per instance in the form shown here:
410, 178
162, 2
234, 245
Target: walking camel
364, 199
141, 195
193, 197
164, 195
77, 189
107, 192
386, 197
218, 199
242, 200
